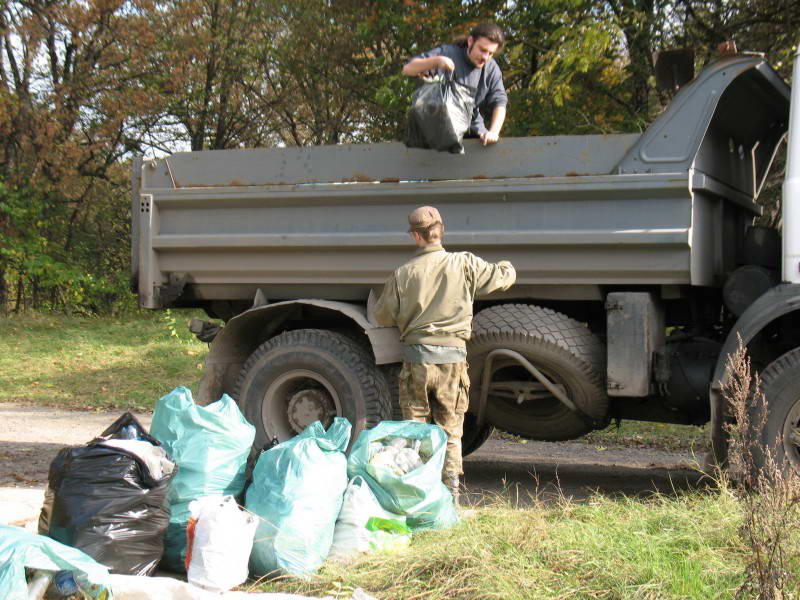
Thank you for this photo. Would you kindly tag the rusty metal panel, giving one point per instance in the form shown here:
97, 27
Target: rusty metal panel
635, 331
390, 162
566, 236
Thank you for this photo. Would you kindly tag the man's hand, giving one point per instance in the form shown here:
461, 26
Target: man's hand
426, 67
489, 137
445, 64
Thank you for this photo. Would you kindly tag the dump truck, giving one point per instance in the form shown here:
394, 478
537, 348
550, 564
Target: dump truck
639, 268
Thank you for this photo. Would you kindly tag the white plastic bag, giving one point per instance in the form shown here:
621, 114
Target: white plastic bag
221, 543
351, 535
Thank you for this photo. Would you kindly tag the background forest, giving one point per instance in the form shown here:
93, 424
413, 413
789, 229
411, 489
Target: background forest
87, 84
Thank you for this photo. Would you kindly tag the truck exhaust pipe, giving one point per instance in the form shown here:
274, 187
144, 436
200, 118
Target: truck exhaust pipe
791, 185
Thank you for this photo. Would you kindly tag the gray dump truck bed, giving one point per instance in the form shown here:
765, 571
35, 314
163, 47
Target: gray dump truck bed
573, 213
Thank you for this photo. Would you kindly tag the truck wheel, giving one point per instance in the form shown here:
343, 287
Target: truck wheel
564, 350
391, 374
781, 433
471, 440
306, 375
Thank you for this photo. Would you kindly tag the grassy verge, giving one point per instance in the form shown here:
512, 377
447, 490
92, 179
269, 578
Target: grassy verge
661, 548
687, 546
125, 362
639, 434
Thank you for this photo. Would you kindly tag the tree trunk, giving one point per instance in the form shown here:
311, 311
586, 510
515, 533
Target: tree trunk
3, 291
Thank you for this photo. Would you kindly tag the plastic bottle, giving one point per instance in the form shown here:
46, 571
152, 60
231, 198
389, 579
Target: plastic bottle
129, 432
64, 585
37, 586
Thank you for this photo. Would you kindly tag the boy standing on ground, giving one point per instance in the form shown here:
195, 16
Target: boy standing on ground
429, 299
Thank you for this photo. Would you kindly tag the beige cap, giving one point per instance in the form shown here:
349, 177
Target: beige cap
423, 217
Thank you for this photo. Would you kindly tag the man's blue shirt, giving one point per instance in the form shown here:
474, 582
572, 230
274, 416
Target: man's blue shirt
487, 81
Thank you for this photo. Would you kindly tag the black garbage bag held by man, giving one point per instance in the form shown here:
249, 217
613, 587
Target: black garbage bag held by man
468, 61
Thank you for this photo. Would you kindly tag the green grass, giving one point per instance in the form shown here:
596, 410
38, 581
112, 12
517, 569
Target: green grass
126, 362
685, 547
640, 434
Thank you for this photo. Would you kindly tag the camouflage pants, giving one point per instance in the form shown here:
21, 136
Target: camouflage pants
441, 393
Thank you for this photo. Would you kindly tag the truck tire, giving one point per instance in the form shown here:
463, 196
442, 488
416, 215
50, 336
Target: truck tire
780, 384
391, 374
471, 440
563, 349
305, 375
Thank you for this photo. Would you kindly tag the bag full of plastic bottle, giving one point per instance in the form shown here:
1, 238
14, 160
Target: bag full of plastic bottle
297, 492
402, 462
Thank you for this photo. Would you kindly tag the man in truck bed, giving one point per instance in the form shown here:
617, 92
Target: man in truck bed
470, 60
429, 299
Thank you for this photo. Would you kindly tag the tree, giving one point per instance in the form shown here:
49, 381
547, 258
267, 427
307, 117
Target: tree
72, 106
205, 70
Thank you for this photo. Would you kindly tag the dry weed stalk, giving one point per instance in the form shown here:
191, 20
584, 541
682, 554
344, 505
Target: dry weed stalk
770, 493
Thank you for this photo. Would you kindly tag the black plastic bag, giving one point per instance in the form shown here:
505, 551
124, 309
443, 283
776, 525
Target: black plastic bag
108, 502
440, 115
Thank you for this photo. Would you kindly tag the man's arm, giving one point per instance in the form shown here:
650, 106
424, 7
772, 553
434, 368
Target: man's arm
388, 305
497, 99
416, 66
490, 277
493, 134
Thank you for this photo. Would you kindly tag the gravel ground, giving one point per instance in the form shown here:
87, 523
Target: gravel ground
519, 472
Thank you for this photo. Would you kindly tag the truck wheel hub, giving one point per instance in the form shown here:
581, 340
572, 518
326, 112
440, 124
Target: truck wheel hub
307, 406
791, 436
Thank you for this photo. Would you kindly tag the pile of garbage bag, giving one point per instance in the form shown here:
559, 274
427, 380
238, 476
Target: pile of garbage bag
55, 570
130, 501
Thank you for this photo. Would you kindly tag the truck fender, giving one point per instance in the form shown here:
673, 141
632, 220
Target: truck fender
778, 301
246, 331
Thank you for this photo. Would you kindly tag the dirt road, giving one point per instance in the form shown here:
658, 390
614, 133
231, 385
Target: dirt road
30, 436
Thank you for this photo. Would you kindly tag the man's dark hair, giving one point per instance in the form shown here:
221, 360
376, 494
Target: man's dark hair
490, 31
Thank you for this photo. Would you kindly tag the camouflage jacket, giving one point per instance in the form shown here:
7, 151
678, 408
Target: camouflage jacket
430, 297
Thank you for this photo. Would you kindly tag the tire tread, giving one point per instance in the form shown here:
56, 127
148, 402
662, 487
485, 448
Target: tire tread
376, 397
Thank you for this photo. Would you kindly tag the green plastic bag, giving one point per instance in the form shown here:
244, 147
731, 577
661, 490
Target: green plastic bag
419, 495
297, 492
210, 444
20, 549
388, 535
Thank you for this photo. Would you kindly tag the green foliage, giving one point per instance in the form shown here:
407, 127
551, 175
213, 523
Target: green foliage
52, 259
